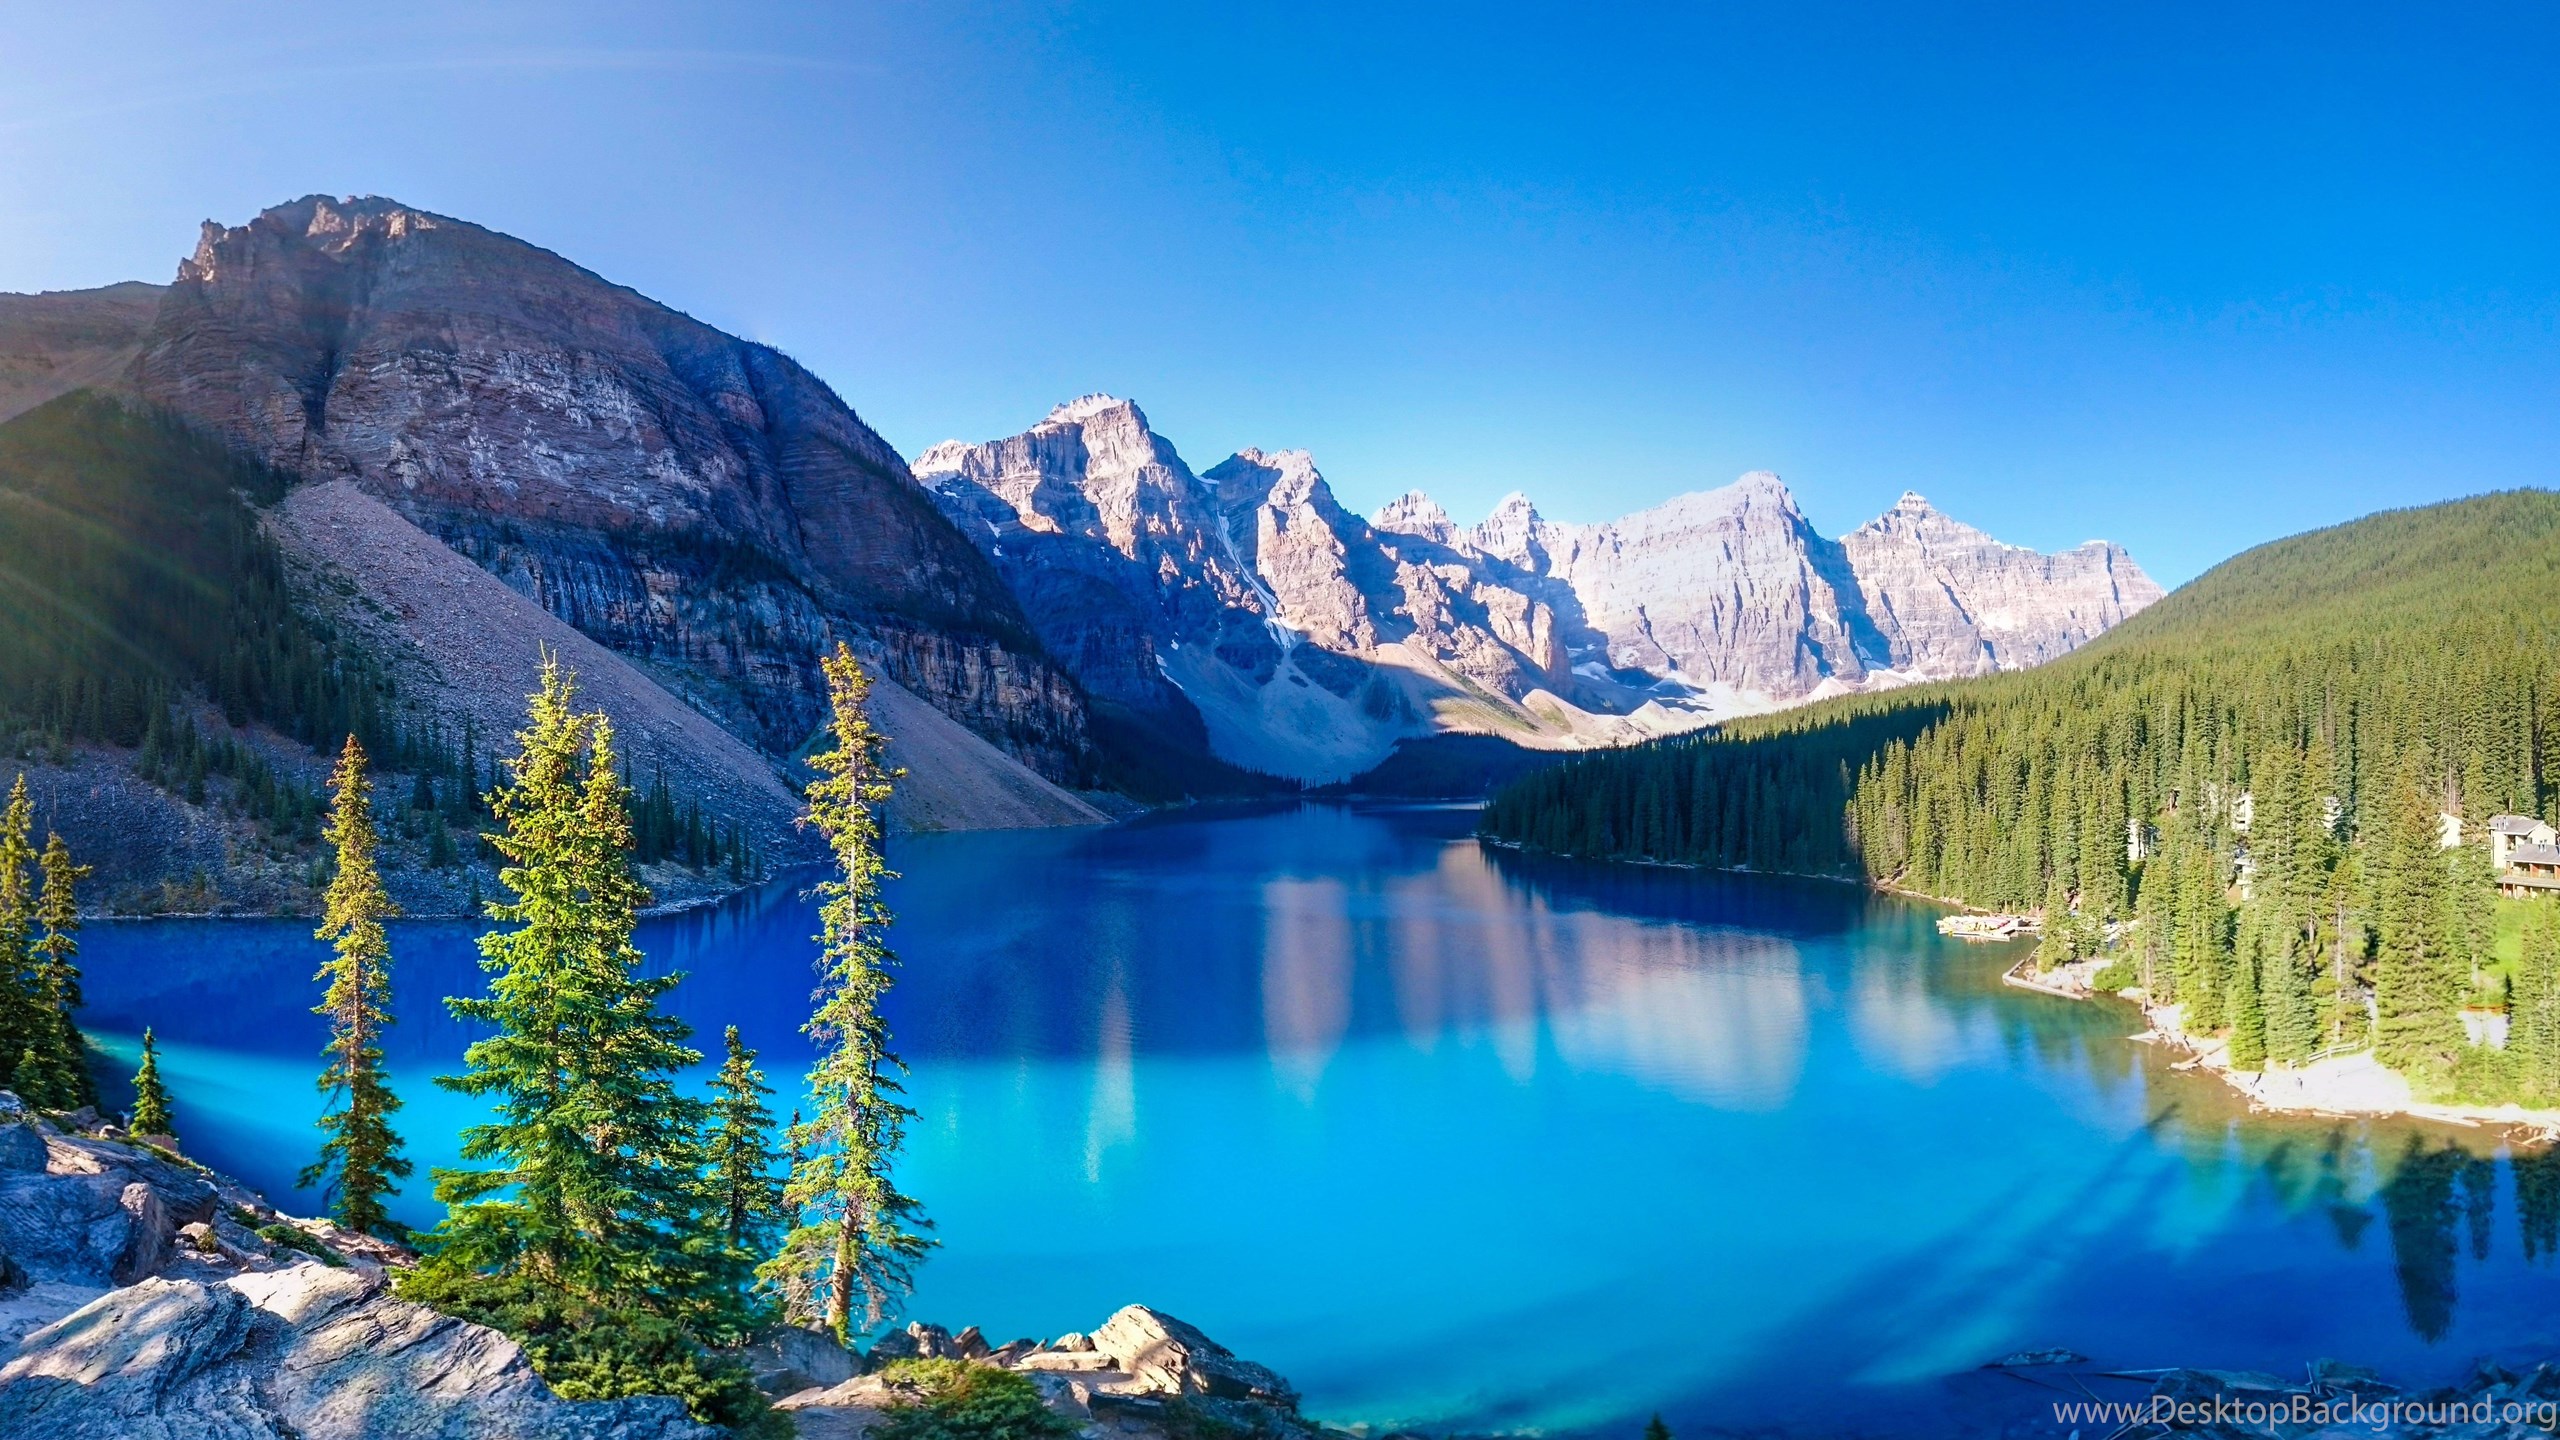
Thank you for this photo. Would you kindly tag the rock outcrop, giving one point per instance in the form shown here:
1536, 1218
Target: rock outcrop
138, 1303
1244, 603
1141, 1373
698, 503
305, 1353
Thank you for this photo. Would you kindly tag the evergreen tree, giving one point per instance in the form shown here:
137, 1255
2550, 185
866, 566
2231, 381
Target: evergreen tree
1654, 1429
747, 1195
2248, 1010
2533, 1008
360, 1162
54, 1072
21, 1010
151, 1114
856, 1233
2417, 990
591, 1164
745, 1199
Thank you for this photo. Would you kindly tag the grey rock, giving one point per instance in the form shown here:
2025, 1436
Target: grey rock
919, 1341
970, 1344
21, 1147
1164, 1356
789, 1359
99, 1214
308, 1352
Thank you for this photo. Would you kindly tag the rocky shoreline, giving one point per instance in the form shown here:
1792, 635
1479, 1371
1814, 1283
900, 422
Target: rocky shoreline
143, 1297
2348, 1084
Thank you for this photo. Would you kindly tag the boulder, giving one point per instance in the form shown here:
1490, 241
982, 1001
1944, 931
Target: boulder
1164, 1356
788, 1359
310, 1352
970, 1344
918, 1341
97, 1213
21, 1146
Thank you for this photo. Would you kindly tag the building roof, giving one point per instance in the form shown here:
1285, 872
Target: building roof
2514, 824
2534, 855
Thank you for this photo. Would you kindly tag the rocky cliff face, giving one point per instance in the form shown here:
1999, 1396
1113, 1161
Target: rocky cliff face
1949, 600
699, 503
1243, 604
1732, 593
1307, 640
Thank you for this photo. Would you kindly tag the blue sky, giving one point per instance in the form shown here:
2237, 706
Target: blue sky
2186, 278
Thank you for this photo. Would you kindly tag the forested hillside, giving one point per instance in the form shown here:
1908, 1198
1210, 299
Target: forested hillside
2254, 768
146, 613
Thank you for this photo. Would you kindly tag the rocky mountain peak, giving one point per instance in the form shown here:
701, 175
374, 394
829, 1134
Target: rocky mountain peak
1279, 477
1414, 513
597, 451
317, 224
1512, 532
1087, 408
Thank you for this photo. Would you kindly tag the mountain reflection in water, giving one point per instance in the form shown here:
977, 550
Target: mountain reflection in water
1463, 1139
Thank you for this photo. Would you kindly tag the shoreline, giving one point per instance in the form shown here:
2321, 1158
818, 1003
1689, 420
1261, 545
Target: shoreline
2347, 1084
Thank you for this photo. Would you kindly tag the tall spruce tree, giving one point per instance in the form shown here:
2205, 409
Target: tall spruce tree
2533, 1007
855, 1234
589, 1171
2248, 1007
54, 1070
2417, 989
360, 1161
151, 1113
21, 1010
745, 1194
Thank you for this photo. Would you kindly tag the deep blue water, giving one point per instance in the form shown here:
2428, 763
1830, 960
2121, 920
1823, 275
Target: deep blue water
1456, 1138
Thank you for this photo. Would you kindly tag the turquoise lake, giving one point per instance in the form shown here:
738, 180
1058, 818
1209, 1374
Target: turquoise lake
1459, 1139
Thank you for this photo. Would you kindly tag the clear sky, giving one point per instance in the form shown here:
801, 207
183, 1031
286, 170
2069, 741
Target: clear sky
2185, 278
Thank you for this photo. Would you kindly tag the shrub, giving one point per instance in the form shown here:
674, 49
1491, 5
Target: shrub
962, 1400
292, 1238
592, 1352
2117, 974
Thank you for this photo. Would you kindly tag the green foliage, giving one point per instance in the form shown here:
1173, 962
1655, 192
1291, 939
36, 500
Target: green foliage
590, 1168
291, 1237
600, 1349
2351, 682
360, 1162
1763, 794
61, 1065
1654, 1429
2533, 1010
151, 1114
135, 570
963, 1400
22, 1021
853, 1231
2120, 973
744, 1200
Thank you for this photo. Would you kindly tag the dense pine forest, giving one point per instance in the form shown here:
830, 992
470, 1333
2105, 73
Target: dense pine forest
143, 606
2260, 770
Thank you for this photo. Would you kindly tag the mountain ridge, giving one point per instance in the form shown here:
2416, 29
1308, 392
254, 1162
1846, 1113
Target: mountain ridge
1711, 603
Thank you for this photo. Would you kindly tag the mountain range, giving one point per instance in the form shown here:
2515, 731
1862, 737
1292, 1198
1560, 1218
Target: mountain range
1243, 603
1065, 617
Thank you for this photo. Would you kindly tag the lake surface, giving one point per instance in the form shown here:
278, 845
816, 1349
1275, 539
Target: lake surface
1460, 1139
